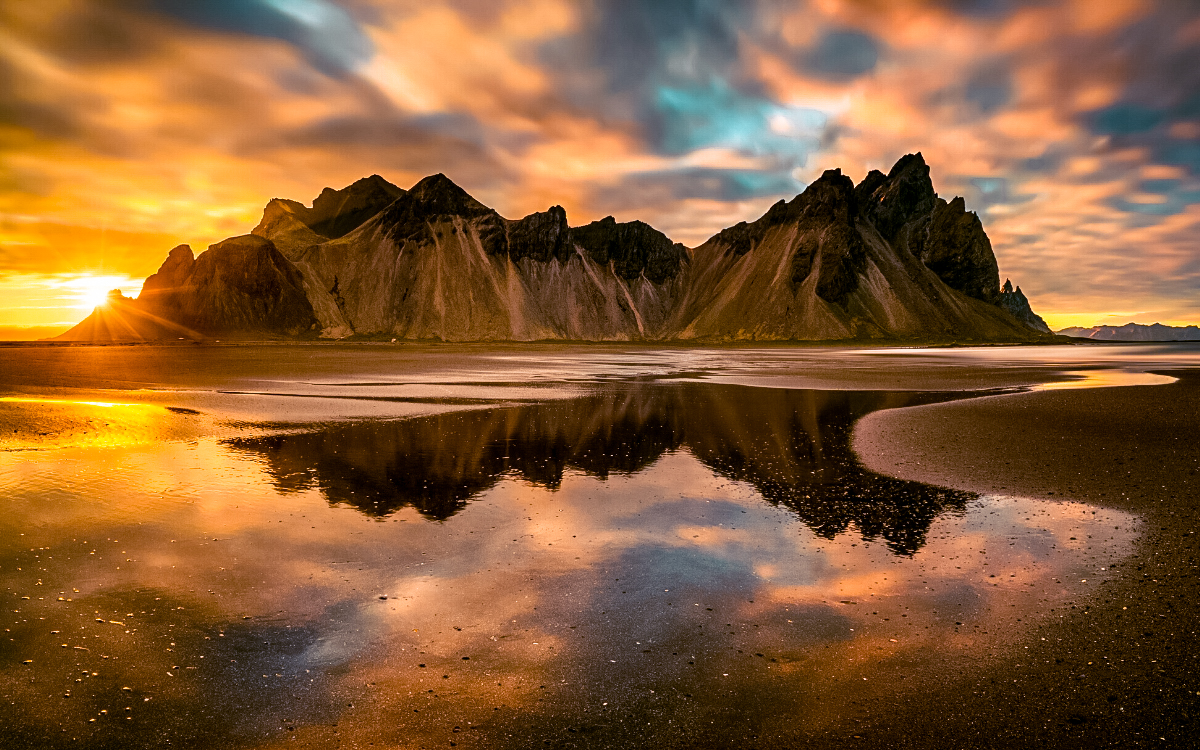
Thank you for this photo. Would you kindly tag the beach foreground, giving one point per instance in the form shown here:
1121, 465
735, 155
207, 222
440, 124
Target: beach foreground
1124, 670
598, 546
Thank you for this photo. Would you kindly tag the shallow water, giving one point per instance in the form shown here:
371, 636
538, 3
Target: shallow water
632, 562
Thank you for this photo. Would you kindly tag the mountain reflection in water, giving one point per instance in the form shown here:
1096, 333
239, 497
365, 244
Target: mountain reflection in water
792, 446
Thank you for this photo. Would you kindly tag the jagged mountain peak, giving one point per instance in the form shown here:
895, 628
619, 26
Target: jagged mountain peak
239, 285
865, 189
331, 198
365, 184
610, 224
172, 272
914, 163
834, 179
1017, 305
831, 193
439, 195
907, 193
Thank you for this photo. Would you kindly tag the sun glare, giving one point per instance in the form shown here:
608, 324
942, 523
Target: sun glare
92, 291
93, 296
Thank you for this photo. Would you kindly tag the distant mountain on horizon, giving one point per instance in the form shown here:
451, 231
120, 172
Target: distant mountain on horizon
886, 259
1134, 332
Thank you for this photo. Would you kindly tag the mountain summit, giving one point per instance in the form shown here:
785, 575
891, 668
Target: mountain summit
886, 259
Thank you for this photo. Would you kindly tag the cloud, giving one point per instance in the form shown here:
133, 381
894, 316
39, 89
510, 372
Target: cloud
990, 88
656, 187
841, 55
994, 191
673, 71
688, 119
989, 8
1185, 153
639, 44
1125, 119
328, 36
1157, 200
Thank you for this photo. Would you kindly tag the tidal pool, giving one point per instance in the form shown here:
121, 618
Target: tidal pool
643, 563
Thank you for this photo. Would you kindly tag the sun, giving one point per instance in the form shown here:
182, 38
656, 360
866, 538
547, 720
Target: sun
92, 291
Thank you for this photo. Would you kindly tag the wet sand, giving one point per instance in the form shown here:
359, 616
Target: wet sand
1122, 672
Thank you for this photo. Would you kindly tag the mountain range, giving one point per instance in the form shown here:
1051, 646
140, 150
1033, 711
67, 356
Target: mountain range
1134, 332
886, 259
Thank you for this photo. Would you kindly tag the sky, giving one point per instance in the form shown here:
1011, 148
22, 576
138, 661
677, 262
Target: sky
1072, 127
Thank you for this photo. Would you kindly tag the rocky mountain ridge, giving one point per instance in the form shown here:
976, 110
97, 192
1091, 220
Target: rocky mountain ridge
886, 259
1134, 332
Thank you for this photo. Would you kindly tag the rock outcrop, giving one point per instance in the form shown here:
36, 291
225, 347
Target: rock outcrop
884, 259
241, 285
1015, 302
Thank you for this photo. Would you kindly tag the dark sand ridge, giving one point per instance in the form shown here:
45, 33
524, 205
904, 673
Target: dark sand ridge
1123, 672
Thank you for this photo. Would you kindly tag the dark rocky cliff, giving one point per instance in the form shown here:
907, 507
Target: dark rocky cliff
948, 239
884, 259
823, 215
542, 237
634, 248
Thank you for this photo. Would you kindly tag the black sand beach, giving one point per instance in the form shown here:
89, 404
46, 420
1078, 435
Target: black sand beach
1123, 671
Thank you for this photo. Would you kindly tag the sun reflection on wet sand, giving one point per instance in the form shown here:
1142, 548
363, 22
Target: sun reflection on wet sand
28, 423
612, 565
1105, 379
17, 400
